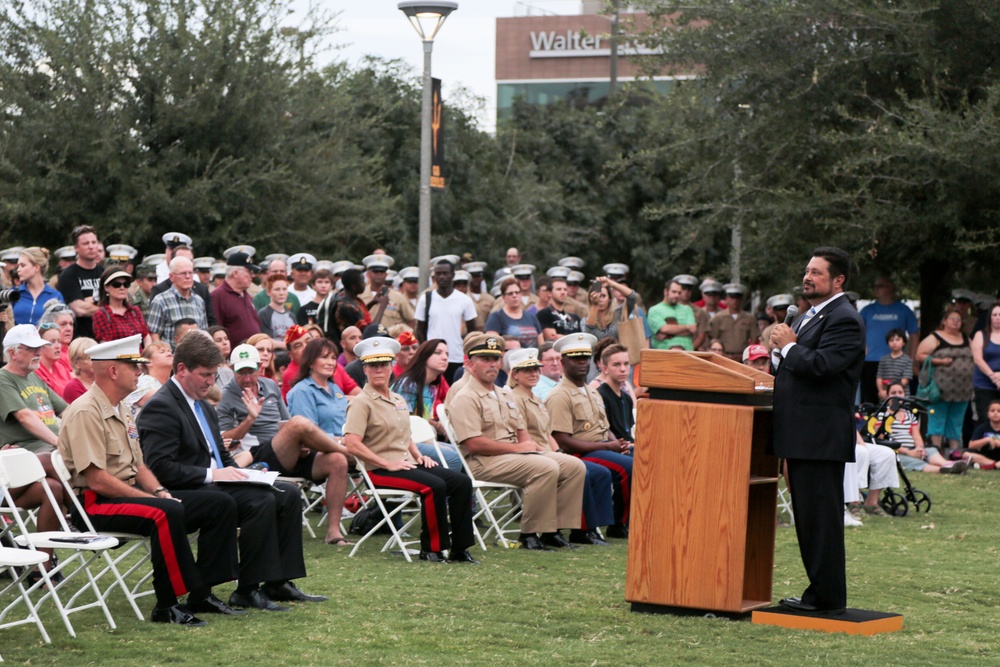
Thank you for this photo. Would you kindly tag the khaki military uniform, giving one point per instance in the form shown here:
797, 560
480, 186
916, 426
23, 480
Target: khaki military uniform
553, 483
702, 320
578, 411
399, 310
102, 437
484, 306
536, 417
735, 334
382, 423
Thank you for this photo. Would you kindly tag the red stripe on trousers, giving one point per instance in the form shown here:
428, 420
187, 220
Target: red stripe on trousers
623, 475
430, 514
158, 516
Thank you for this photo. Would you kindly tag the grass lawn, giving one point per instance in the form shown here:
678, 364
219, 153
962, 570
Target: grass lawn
939, 570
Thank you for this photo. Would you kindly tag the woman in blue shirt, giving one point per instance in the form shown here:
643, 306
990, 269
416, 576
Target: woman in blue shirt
32, 267
314, 394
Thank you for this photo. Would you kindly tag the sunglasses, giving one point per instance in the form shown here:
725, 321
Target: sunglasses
379, 270
48, 326
120, 283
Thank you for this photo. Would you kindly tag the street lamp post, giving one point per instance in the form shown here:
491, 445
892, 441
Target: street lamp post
427, 17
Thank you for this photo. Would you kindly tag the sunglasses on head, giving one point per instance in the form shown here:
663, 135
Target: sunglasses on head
48, 326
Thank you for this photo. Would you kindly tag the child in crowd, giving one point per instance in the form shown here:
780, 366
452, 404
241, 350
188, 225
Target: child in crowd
913, 455
984, 445
895, 366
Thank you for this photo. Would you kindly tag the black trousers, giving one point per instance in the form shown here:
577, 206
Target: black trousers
869, 388
442, 491
270, 521
167, 523
817, 490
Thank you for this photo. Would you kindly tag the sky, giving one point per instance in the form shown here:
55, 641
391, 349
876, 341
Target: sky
464, 49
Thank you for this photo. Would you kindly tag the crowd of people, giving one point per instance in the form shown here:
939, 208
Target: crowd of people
163, 379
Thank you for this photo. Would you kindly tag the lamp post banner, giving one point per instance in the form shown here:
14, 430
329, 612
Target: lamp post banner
437, 136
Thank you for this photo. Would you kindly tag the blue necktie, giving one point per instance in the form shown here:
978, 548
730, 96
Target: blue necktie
200, 414
809, 315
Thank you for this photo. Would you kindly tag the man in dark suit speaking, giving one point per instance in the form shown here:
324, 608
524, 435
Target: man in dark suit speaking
181, 443
819, 364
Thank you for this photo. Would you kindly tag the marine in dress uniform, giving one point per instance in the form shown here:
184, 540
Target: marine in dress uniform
100, 445
778, 304
377, 431
580, 424
491, 431
398, 309
484, 301
736, 328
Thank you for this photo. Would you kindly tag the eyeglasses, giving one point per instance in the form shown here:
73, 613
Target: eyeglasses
183, 274
48, 326
120, 283
517, 293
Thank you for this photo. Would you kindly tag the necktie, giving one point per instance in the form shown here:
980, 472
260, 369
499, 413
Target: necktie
809, 315
207, 430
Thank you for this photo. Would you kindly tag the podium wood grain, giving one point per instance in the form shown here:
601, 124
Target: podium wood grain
704, 492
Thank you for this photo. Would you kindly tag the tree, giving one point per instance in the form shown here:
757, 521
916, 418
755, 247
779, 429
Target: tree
866, 125
145, 116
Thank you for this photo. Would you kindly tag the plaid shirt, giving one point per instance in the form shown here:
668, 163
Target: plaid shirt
111, 326
168, 307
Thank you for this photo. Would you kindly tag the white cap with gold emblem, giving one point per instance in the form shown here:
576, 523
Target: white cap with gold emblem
376, 350
123, 349
576, 345
524, 358
378, 261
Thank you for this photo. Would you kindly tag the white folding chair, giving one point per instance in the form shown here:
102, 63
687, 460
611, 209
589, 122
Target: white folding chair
19, 468
502, 510
313, 496
376, 500
422, 432
19, 563
133, 545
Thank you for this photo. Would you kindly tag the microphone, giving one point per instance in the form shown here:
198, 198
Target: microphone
791, 314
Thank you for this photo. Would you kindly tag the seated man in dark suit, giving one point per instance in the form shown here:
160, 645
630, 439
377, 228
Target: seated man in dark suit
182, 445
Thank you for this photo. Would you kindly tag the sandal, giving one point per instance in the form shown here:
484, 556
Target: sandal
873, 511
340, 542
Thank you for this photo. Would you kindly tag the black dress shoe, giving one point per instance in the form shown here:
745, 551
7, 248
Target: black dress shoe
433, 557
213, 605
255, 599
586, 537
557, 540
289, 592
796, 604
462, 556
178, 615
618, 531
532, 543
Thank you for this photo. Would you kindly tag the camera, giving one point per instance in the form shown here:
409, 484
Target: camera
8, 296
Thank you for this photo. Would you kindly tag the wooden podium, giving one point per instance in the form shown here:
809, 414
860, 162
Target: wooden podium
704, 489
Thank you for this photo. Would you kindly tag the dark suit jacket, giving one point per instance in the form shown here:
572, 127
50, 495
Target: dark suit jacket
815, 385
201, 289
173, 444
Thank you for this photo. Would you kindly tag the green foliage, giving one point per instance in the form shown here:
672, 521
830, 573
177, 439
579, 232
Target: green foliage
866, 125
142, 116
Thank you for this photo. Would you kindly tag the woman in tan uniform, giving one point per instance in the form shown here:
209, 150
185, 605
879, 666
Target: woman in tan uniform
378, 432
598, 508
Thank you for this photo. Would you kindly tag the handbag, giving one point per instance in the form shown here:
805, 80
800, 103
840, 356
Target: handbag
927, 388
632, 334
